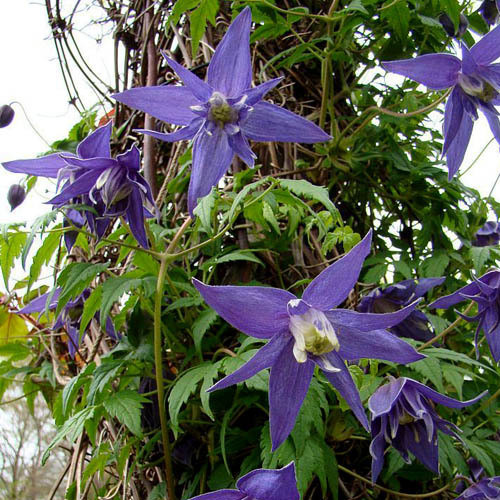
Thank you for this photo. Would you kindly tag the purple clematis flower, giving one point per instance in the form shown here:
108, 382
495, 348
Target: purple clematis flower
403, 415
261, 484
307, 332
488, 234
221, 114
486, 292
490, 10
487, 488
111, 186
69, 317
475, 83
416, 325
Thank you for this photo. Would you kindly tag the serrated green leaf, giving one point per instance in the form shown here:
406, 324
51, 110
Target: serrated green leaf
10, 248
200, 326
90, 308
43, 256
126, 407
112, 291
431, 370
198, 20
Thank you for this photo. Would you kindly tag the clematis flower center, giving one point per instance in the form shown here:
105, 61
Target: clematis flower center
406, 418
313, 334
477, 87
221, 111
113, 185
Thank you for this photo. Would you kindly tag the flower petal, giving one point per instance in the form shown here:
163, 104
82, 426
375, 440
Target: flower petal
46, 166
278, 484
424, 450
436, 71
366, 322
493, 123
256, 94
255, 310
470, 289
168, 103
265, 357
131, 159
343, 382
487, 49
440, 398
40, 303
230, 70
182, 134
333, 284
200, 89
456, 151
221, 495
212, 157
135, 218
383, 399
491, 327
240, 146
453, 115
96, 163
426, 284
268, 122
83, 184
288, 386
375, 344
377, 448
97, 143
469, 65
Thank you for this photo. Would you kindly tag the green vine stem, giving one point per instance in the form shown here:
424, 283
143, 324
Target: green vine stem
397, 494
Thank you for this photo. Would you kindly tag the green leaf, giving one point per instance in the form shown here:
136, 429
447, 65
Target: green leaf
90, 308
38, 225
180, 7
435, 265
112, 291
71, 388
185, 302
200, 326
198, 19
183, 388
103, 374
303, 188
126, 407
231, 257
43, 255
431, 370
479, 256
75, 278
478, 452
204, 211
10, 248
70, 430
398, 15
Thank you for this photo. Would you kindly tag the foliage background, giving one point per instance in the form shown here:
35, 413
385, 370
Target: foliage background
274, 226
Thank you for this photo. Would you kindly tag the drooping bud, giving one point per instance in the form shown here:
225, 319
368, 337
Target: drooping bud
449, 27
6, 115
490, 11
15, 196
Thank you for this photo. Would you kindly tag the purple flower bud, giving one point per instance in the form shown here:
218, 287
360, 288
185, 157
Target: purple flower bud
15, 196
6, 115
449, 27
488, 234
490, 10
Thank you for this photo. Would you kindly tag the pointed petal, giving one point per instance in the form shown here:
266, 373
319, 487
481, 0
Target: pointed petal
453, 115
97, 163
436, 71
375, 344
288, 386
469, 65
493, 123
221, 495
271, 484
383, 399
39, 304
470, 289
131, 159
456, 151
240, 146
487, 49
265, 357
343, 382
200, 89
440, 398
97, 143
230, 70
255, 310
425, 451
491, 329
256, 94
83, 184
426, 284
168, 103
333, 284
212, 157
46, 166
366, 322
377, 448
135, 218
268, 122
185, 133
